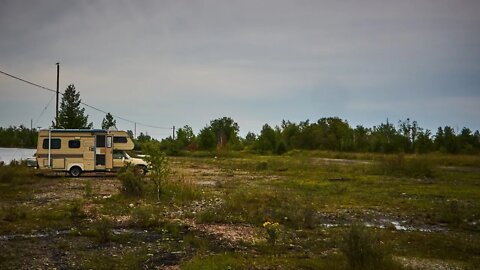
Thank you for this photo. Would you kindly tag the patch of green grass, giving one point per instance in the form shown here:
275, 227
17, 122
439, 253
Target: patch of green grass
131, 259
244, 261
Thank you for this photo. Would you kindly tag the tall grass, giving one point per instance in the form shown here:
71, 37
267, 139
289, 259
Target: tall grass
399, 165
16, 174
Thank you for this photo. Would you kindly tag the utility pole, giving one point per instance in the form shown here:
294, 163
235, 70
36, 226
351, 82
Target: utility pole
173, 133
135, 130
58, 86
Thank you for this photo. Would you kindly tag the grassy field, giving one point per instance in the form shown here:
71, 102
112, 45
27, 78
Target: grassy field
302, 210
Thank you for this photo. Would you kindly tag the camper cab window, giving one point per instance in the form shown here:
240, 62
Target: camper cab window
74, 144
118, 155
55, 144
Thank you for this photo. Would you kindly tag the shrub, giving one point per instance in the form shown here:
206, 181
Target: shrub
363, 250
132, 184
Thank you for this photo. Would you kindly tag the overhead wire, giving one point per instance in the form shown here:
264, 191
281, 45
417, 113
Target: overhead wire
83, 103
43, 111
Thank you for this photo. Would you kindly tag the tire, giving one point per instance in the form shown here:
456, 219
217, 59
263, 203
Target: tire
140, 170
75, 171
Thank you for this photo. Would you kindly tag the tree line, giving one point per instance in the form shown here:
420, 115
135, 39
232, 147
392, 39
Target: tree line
328, 133
20, 136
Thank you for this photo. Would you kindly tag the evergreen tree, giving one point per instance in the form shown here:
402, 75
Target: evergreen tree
108, 122
71, 115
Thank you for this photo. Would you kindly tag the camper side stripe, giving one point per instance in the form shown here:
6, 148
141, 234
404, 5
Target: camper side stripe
60, 155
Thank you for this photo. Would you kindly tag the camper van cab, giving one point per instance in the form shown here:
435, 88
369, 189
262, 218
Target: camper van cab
85, 150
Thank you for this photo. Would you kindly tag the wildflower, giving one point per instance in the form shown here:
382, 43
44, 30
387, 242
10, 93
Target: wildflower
272, 231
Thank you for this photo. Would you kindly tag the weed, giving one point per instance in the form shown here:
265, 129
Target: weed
12, 214
88, 189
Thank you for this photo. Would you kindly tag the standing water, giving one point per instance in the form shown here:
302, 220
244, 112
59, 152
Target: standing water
9, 154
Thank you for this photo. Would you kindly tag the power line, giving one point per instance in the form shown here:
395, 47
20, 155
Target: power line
85, 104
34, 84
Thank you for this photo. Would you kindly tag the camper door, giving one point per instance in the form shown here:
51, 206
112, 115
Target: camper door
103, 152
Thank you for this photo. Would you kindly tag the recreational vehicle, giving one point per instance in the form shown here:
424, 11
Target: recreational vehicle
85, 150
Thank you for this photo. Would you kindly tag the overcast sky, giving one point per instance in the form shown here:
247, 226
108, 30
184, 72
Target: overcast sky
168, 63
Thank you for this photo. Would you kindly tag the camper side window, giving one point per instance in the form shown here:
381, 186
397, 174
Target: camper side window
119, 139
74, 144
55, 144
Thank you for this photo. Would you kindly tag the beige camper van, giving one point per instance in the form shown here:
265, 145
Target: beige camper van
85, 150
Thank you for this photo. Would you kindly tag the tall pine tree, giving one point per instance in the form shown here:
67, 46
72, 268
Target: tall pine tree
71, 115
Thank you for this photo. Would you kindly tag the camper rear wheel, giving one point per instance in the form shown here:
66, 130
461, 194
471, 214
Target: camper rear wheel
75, 171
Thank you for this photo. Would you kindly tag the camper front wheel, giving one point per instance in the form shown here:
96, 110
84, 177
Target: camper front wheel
140, 170
75, 171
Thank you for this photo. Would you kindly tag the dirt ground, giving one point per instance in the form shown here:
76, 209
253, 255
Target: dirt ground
66, 248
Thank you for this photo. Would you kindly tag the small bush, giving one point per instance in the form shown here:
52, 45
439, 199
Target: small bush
75, 210
363, 250
145, 217
102, 230
132, 183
